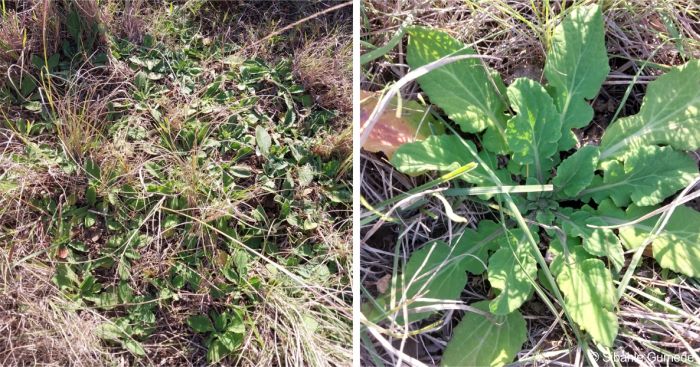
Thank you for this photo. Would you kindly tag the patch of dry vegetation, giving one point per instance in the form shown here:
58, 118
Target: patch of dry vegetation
324, 68
664, 33
169, 178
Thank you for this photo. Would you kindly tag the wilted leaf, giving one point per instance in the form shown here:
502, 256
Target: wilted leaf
413, 123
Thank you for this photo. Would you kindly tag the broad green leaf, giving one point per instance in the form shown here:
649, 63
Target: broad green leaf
200, 323
479, 340
589, 296
262, 138
465, 89
236, 323
134, 347
534, 132
431, 272
91, 195
217, 350
65, 277
570, 251
27, 86
575, 173
648, 176
442, 153
597, 241
512, 270
576, 66
109, 331
479, 175
474, 246
92, 169
670, 115
574, 253
446, 153
230, 340
675, 248
219, 319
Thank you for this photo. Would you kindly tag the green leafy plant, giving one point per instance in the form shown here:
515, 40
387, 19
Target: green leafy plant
224, 332
640, 162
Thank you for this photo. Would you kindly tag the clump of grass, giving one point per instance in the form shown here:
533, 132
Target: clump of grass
11, 39
324, 67
41, 327
80, 118
127, 20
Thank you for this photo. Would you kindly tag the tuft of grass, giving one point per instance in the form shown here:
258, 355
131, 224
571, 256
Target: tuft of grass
324, 68
40, 326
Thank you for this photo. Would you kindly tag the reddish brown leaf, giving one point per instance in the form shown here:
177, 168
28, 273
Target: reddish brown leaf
62, 252
390, 131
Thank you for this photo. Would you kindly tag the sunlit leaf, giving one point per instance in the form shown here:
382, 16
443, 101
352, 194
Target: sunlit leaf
485, 340
466, 90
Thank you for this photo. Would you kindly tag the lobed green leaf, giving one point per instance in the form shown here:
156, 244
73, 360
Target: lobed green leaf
675, 248
489, 340
477, 245
465, 89
648, 175
576, 172
576, 66
512, 269
533, 133
670, 115
589, 296
446, 153
597, 241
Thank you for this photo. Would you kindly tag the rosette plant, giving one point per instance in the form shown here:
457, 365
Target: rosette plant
577, 234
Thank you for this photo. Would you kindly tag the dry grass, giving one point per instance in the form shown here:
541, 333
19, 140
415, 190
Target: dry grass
128, 20
82, 107
39, 326
635, 31
292, 323
324, 67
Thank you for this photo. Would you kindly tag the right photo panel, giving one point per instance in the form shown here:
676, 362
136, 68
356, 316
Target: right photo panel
529, 176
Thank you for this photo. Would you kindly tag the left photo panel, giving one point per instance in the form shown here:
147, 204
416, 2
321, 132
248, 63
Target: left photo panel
176, 183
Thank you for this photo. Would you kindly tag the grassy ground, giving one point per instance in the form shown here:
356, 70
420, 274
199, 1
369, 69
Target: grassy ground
174, 183
517, 32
